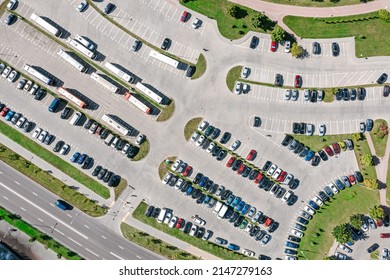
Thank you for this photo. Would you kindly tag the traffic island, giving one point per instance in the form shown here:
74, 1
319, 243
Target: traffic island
200, 67
165, 166
232, 76
191, 127
167, 112
143, 151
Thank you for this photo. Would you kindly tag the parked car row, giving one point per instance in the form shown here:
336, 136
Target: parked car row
15, 118
105, 175
167, 217
32, 88
350, 94
241, 87
366, 126
303, 128
212, 147
301, 150
182, 167
8, 73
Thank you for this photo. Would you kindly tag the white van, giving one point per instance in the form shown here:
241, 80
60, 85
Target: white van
114, 142
222, 211
109, 138
75, 118
217, 207
161, 216
85, 42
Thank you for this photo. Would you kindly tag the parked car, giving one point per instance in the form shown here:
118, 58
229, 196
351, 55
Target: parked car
382, 78
335, 49
166, 44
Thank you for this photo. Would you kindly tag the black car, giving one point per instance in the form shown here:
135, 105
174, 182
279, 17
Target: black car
10, 19
264, 181
196, 193
246, 172
323, 196
316, 48
65, 113
156, 212
87, 163
101, 174
372, 248
303, 128
335, 49
267, 165
58, 146
304, 152
215, 133
96, 171
187, 227
253, 174
254, 231
213, 188
290, 252
149, 211
358, 176
262, 219
201, 198
361, 93
186, 186
264, 257
166, 44
109, 8
190, 71
256, 121
323, 155
104, 133
278, 80
197, 178
353, 94
121, 143
268, 185
88, 124
234, 217
281, 191
201, 231
40, 94
225, 137
294, 238
315, 160
136, 45
299, 148
133, 151
287, 139
339, 94
254, 42
236, 165
313, 96
27, 126
226, 193
208, 185
239, 221
369, 124
274, 226
107, 176
216, 151
221, 155
294, 184
386, 91
382, 78
296, 128
345, 94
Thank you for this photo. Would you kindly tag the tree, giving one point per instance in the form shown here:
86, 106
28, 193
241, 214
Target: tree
356, 137
278, 34
342, 234
371, 184
384, 15
296, 50
383, 130
259, 19
356, 221
367, 160
233, 10
377, 212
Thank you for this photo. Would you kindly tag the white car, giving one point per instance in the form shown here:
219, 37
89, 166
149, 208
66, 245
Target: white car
257, 216
296, 233
287, 196
277, 173
21, 83
20, 122
125, 148
176, 165
287, 46
203, 125
196, 23
207, 235
140, 139
248, 252
309, 129
245, 72
65, 149
193, 230
173, 221
245, 88
251, 212
194, 136
272, 169
82, 6
28, 85
318, 201
11, 4
295, 94
198, 220
248, 227
179, 183
321, 129
235, 145
265, 240
306, 94
287, 95
168, 217
345, 248
290, 258
309, 210
334, 189
12, 76
167, 178
237, 88
200, 140
211, 147
340, 256
6, 72
34, 89
288, 179
42, 136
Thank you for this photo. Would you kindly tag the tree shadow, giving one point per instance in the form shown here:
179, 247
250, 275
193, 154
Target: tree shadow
241, 13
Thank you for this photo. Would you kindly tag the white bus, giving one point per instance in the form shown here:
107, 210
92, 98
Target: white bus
118, 124
72, 61
72, 97
151, 94
45, 25
44, 78
140, 105
119, 72
164, 58
88, 44
105, 83
81, 48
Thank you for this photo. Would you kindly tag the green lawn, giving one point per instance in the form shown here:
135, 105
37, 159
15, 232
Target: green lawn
190, 127
200, 67
318, 237
51, 183
118, 190
167, 112
153, 244
374, 42
388, 183
37, 235
228, 26
143, 151
206, 246
232, 76
54, 160
164, 168
377, 137
312, 3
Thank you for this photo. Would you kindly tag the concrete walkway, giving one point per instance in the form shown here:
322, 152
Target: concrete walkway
54, 171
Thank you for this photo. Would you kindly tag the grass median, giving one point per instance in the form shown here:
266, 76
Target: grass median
212, 248
37, 235
379, 135
54, 160
232, 76
200, 67
317, 3
46, 180
368, 31
191, 126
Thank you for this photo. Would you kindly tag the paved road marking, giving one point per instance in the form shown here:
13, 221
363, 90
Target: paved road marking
39, 219
93, 253
74, 241
5, 197
16, 182
57, 231
121, 247
139, 257
103, 237
86, 226
116, 256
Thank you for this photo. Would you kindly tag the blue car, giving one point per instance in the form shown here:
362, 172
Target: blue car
207, 199
81, 159
245, 209
203, 181
309, 155
240, 206
75, 156
291, 245
190, 190
230, 199
339, 185
313, 205
233, 247
9, 115
236, 201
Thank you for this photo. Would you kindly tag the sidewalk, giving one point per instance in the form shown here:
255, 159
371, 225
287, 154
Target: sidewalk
54, 171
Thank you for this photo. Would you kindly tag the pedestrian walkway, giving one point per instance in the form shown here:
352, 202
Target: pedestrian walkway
54, 171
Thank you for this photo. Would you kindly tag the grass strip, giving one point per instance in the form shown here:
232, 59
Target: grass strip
37, 235
200, 67
50, 183
54, 160
318, 3
232, 76
118, 190
154, 244
379, 135
167, 113
191, 126
206, 246
143, 151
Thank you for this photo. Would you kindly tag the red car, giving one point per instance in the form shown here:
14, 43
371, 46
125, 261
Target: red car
282, 176
187, 171
258, 178
241, 169
329, 151
180, 223
268, 222
385, 235
273, 46
4, 111
251, 155
336, 148
352, 180
184, 16
230, 162
298, 81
